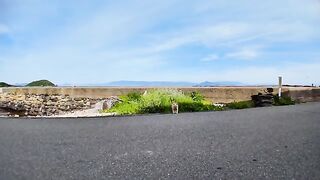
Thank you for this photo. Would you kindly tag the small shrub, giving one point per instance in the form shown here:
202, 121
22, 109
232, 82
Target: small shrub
124, 108
282, 101
133, 96
240, 105
196, 96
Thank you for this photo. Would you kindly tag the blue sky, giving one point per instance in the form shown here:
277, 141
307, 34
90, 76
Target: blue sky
95, 41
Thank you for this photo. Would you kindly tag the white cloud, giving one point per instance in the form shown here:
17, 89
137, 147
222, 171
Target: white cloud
235, 34
247, 53
222, 32
210, 58
4, 29
207, 35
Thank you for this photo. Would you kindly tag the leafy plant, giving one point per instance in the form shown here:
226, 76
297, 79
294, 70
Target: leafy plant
133, 96
196, 96
126, 108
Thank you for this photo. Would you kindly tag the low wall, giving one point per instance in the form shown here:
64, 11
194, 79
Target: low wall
214, 94
304, 95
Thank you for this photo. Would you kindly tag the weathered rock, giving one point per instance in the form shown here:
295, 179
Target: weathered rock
110, 102
40, 105
88, 103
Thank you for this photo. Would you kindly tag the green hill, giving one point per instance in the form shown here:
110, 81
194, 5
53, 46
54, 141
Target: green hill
3, 84
40, 83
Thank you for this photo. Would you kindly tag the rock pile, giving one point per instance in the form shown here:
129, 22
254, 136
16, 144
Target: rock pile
262, 100
44, 105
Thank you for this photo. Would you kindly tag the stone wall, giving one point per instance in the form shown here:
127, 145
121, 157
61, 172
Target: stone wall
214, 94
43, 104
304, 95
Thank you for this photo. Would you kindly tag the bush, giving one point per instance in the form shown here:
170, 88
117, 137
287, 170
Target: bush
160, 101
196, 96
40, 83
240, 105
282, 101
126, 108
133, 96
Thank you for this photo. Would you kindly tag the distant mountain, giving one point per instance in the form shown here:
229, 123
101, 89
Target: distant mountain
3, 84
149, 83
134, 84
220, 83
40, 83
166, 84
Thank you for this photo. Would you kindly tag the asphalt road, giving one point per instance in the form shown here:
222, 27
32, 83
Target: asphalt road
262, 143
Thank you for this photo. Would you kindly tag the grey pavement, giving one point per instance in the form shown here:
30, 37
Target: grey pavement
259, 143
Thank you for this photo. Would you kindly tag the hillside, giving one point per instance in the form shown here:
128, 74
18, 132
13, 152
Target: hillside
3, 84
219, 83
40, 83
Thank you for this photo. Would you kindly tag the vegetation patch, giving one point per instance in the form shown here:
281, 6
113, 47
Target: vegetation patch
240, 105
160, 101
40, 83
283, 101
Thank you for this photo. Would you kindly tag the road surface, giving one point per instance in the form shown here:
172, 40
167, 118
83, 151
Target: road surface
261, 143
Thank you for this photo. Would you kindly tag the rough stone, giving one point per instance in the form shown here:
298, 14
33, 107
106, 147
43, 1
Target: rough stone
44, 105
110, 102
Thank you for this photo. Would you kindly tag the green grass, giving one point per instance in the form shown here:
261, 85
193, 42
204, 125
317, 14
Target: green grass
240, 105
160, 101
40, 83
283, 101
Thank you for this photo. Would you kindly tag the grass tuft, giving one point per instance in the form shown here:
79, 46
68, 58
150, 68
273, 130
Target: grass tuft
240, 105
283, 101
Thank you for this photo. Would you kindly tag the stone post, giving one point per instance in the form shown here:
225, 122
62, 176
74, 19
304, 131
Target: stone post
280, 86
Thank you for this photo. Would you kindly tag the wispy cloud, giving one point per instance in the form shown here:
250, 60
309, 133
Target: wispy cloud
245, 53
210, 58
4, 29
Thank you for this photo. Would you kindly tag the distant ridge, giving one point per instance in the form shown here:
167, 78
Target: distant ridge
3, 84
167, 84
147, 83
40, 83
221, 83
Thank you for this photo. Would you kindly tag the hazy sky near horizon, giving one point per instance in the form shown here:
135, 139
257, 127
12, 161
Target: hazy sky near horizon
95, 41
